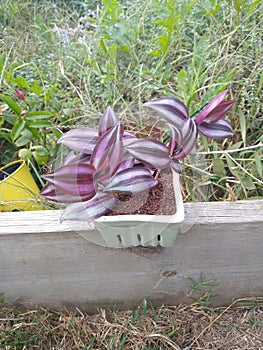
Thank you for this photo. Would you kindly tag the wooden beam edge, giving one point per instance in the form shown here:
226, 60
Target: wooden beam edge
58, 268
47, 221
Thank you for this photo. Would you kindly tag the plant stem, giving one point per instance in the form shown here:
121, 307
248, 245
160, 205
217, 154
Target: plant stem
232, 150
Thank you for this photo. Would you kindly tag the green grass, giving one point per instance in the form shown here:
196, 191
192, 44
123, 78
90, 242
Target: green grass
192, 326
133, 51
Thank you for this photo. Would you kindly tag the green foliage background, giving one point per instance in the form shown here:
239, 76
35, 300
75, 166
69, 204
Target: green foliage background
74, 58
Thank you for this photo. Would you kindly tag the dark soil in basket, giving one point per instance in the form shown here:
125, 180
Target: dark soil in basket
157, 201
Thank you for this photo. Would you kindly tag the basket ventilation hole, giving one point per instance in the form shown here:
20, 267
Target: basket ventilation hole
158, 238
139, 238
119, 238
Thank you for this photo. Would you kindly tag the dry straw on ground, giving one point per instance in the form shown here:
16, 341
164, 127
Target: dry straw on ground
185, 327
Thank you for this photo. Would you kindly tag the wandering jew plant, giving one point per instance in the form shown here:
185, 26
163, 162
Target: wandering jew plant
110, 160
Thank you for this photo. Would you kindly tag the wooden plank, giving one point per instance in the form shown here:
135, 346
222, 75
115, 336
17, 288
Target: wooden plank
52, 264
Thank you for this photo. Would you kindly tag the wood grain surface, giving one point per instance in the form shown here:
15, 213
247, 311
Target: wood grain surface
51, 264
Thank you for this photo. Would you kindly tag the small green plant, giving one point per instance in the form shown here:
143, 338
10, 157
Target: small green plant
201, 291
28, 129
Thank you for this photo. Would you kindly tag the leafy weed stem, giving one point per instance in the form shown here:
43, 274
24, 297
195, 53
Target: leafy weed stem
244, 170
231, 150
5, 63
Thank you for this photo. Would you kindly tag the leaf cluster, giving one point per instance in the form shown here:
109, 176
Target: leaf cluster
112, 161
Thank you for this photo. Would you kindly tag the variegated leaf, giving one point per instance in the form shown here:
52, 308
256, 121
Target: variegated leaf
74, 178
81, 140
219, 130
94, 208
135, 180
108, 121
150, 151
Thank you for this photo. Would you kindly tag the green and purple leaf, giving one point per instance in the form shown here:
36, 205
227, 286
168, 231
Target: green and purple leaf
135, 180
54, 194
151, 152
175, 165
171, 109
219, 130
128, 138
210, 121
73, 158
218, 113
210, 107
127, 162
94, 208
109, 146
188, 139
175, 138
108, 121
81, 140
215, 110
102, 175
75, 179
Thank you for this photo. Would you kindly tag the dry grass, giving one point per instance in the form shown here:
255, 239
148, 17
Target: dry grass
185, 327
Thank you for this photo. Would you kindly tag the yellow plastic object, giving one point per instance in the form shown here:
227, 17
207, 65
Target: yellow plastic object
18, 190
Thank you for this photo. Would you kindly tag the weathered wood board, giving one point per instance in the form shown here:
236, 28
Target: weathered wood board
47, 263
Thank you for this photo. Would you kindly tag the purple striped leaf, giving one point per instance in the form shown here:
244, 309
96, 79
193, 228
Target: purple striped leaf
210, 107
150, 151
188, 139
219, 130
175, 138
73, 158
135, 180
175, 165
127, 162
102, 174
70, 158
81, 140
109, 146
219, 112
54, 194
216, 109
94, 208
169, 108
108, 121
74, 178
128, 138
